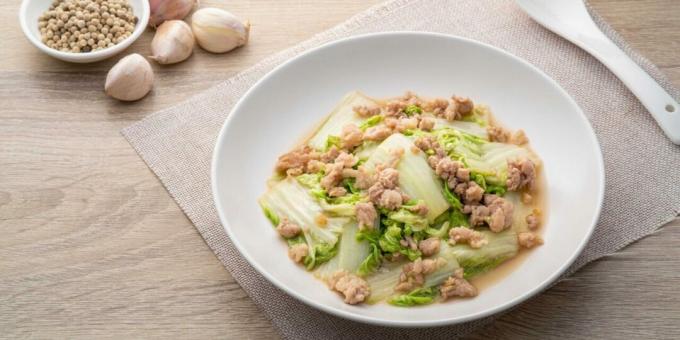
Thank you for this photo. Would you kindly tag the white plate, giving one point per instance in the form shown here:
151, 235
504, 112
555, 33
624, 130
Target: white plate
285, 105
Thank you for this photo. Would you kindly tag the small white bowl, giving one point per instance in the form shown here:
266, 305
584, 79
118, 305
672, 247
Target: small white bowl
31, 10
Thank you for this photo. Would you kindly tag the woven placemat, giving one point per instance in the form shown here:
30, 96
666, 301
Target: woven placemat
641, 164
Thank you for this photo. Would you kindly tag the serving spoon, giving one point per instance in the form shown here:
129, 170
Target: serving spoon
571, 20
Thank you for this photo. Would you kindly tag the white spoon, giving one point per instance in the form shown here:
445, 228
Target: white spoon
571, 20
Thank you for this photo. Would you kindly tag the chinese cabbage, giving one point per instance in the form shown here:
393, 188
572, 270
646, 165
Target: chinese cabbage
342, 115
291, 200
351, 254
416, 178
383, 281
472, 128
500, 247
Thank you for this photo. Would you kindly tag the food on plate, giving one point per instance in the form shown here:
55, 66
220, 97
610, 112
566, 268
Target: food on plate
406, 200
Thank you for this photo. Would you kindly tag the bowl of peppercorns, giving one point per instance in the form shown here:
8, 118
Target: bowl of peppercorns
83, 31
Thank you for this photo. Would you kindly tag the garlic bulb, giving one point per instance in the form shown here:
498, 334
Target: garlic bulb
130, 79
162, 10
218, 31
172, 43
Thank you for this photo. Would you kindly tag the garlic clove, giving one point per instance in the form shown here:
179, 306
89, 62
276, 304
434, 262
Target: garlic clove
130, 79
219, 31
172, 43
162, 10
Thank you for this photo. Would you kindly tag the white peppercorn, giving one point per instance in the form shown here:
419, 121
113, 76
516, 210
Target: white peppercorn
86, 25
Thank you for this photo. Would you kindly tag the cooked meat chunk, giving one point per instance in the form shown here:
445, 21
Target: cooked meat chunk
404, 197
395, 108
534, 219
463, 105
460, 188
472, 237
366, 215
330, 155
429, 144
288, 229
501, 212
337, 192
294, 172
377, 133
349, 173
429, 246
478, 214
521, 175
451, 112
473, 194
529, 240
426, 123
497, 222
410, 98
415, 150
498, 134
346, 159
519, 138
391, 122
364, 179
433, 160
333, 176
413, 273
447, 168
366, 110
425, 143
351, 136
353, 288
457, 108
463, 174
407, 124
410, 242
420, 208
298, 252
457, 286
389, 178
390, 199
375, 191
296, 160
436, 106
314, 166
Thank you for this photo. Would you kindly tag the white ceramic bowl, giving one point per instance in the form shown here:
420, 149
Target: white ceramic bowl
285, 104
31, 10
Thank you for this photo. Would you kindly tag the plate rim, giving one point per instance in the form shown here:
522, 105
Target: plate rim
387, 322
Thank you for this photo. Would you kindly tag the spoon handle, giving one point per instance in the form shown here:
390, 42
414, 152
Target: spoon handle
571, 20
664, 109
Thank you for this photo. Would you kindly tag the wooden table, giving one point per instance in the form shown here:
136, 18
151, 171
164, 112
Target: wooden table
91, 245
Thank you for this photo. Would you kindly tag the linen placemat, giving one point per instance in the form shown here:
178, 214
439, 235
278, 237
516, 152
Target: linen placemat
642, 191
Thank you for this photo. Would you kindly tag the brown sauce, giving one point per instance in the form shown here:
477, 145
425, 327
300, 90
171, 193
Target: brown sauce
497, 274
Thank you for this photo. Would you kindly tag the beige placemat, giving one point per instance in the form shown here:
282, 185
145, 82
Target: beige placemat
642, 191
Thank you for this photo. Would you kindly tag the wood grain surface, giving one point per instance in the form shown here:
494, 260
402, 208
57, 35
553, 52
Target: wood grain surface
92, 246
